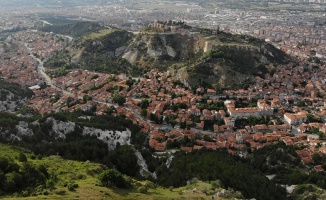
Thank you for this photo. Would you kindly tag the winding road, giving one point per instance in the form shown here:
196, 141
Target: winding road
40, 70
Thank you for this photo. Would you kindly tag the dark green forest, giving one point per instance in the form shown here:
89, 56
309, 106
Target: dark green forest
284, 162
15, 89
74, 29
212, 165
15, 177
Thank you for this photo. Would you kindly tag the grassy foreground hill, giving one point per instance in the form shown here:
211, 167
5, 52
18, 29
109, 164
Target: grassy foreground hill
83, 175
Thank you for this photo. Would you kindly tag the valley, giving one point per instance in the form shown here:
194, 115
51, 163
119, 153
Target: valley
210, 104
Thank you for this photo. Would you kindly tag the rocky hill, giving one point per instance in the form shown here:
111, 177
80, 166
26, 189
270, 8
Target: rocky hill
200, 58
229, 61
12, 96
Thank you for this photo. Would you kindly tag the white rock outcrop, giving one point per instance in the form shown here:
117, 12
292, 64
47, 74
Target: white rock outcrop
61, 128
110, 137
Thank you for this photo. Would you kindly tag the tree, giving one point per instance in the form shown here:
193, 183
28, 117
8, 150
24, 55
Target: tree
155, 118
110, 110
320, 134
22, 157
130, 82
207, 138
123, 158
142, 189
50, 183
119, 99
317, 159
143, 104
69, 101
312, 118
112, 177
87, 97
183, 125
215, 184
173, 123
13, 182
301, 104
32, 175
143, 112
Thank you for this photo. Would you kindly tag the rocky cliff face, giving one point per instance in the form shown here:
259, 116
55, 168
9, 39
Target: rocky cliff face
149, 50
59, 129
9, 102
12, 96
229, 66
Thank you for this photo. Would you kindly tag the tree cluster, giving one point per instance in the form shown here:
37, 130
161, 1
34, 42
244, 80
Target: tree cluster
16, 89
16, 177
283, 161
113, 178
75, 145
210, 165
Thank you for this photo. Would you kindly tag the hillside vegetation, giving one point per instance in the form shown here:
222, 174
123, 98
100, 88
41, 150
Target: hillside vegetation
231, 60
60, 178
98, 51
67, 135
12, 96
15, 89
74, 29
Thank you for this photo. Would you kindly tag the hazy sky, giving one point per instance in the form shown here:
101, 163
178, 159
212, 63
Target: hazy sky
13, 3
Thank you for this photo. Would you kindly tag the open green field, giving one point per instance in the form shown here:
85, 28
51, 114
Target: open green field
97, 34
85, 175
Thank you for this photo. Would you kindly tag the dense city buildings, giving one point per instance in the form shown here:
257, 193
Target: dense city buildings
287, 104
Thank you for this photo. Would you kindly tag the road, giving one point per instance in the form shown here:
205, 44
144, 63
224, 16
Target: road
40, 70
48, 81
67, 36
202, 131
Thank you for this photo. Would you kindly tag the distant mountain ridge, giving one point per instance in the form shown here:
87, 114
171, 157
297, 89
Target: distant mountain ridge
26, 3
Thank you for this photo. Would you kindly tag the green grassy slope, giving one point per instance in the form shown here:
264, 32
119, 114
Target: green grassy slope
85, 175
76, 29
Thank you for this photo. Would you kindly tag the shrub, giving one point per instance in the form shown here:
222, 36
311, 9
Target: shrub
22, 157
25, 193
215, 184
142, 189
60, 192
39, 157
194, 180
111, 177
38, 190
72, 186
50, 184
150, 185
